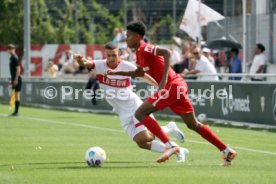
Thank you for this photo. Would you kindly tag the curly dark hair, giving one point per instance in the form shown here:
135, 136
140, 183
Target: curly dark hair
261, 47
137, 27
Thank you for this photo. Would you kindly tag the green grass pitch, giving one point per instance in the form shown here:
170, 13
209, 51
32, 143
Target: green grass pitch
48, 146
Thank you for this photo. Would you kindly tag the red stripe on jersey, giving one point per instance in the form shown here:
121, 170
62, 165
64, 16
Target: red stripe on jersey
117, 83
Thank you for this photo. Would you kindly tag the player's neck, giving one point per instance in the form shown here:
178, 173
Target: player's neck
139, 44
113, 65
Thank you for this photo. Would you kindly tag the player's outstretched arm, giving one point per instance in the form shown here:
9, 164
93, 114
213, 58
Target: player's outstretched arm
167, 55
83, 61
148, 79
139, 72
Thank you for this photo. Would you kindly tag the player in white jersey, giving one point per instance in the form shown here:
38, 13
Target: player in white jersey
119, 95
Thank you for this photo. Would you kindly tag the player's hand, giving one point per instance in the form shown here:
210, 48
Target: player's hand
162, 84
79, 59
110, 72
139, 72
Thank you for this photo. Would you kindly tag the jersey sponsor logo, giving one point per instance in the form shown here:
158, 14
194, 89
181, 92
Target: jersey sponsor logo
118, 83
149, 48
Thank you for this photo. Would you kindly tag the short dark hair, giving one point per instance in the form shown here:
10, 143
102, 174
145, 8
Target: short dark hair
235, 50
137, 27
11, 46
110, 46
261, 47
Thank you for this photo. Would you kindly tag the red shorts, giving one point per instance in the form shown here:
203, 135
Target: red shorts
175, 96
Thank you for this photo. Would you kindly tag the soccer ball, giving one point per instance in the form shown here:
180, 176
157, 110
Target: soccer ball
202, 118
95, 157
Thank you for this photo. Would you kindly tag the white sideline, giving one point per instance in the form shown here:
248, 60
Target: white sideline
239, 148
120, 131
66, 123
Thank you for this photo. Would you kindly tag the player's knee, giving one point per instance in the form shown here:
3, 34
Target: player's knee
142, 137
191, 121
193, 125
143, 145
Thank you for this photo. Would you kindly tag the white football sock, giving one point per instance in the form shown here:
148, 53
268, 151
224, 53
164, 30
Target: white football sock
157, 146
171, 144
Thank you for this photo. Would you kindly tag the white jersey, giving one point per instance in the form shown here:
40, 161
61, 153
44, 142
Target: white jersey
258, 61
205, 66
117, 89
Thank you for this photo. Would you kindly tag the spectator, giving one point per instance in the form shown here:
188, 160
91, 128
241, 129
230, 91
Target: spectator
207, 53
203, 65
217, 60
176, 62
191, 66
187, 54
192, 63
51, 69
258, 64
69, 66
235, 63
115, 34
120, 38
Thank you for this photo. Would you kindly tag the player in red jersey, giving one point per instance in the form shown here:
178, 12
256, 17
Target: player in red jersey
173, 90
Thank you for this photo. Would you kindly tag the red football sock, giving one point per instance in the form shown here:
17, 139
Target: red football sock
154, 128
207, 134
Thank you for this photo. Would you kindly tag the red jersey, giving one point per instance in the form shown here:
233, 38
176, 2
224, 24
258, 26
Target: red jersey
153, 64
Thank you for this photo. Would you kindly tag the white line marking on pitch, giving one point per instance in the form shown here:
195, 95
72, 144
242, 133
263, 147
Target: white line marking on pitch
119, 131
240, 148
66, 123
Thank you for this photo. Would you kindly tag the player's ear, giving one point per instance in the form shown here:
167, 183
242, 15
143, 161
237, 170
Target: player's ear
119, 52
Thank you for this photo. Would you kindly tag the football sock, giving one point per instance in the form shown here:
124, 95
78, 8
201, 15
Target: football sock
17, 103
157, 146
207, 134
154, 128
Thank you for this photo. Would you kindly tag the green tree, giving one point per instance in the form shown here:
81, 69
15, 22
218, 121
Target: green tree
42, 30
106, 22
11, 24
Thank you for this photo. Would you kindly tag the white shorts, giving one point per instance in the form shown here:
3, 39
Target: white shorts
131, 126
126, 110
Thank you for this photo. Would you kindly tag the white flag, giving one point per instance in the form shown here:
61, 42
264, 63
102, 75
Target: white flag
194, 18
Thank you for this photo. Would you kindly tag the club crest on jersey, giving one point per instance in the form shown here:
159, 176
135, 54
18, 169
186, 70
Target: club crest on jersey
149, 48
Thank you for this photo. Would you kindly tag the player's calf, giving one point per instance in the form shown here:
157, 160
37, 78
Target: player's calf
143, 139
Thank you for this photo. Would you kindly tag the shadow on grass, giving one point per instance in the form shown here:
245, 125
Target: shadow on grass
107, 165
